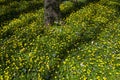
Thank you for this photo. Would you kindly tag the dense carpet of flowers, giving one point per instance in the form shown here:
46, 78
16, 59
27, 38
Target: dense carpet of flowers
87, 47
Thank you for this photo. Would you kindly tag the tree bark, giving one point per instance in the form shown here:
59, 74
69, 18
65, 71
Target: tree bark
52, 11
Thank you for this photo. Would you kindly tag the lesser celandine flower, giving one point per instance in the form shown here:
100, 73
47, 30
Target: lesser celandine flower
104, 78
85, 78
98, 77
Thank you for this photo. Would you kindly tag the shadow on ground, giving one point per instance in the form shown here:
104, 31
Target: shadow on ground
13, 13
77, 6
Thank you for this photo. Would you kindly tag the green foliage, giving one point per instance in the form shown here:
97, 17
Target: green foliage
87, 47
66, 7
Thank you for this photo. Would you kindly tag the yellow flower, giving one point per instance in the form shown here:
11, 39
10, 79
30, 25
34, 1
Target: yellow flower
85, 78
6, 77
78, 57
20, 59
31, 59
1, 77
55, 77
48, 67
98, 77
88, 71
22, 50
104, 78
64, 62
30, 54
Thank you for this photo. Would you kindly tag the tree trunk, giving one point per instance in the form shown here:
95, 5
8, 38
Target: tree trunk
52, 11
